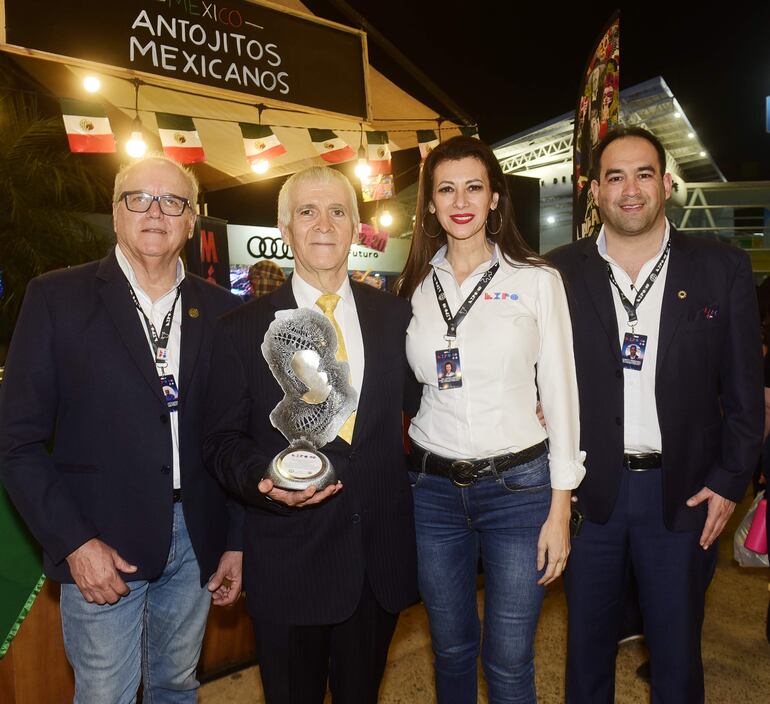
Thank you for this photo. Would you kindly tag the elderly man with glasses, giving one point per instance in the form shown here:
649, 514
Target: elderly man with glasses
100, 423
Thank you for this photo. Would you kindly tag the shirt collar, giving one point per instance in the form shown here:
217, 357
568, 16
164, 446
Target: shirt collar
439, 260
601, 244
128, 270
306, 295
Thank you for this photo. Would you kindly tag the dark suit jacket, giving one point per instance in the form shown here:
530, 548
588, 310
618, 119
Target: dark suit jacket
708, 384
80, 364
307, 566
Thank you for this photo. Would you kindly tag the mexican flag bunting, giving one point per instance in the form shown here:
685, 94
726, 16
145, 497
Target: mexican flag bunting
88, 127
260, 142
331, 147
179, 138
378, 152
470, 131
427, 141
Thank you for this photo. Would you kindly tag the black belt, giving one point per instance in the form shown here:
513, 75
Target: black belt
463, 473
643, 461
177, 495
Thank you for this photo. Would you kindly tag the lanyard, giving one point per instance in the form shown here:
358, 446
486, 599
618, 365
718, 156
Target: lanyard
159, 342
643, 291
452, 322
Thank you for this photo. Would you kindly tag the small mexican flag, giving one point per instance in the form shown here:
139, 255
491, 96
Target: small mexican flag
260, 142
470, 132
379, 152
179, 138
331, 147
427, 141
88, 127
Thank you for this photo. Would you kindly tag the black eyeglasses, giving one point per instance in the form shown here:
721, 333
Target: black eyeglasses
141, 202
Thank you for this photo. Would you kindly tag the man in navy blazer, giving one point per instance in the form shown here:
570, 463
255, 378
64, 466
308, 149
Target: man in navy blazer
131, 524
325, 572
671, 443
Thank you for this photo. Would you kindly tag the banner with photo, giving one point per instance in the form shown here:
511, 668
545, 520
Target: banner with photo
596, 113
377, 187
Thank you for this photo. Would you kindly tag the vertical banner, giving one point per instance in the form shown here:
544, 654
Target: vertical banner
596, 113
207, 253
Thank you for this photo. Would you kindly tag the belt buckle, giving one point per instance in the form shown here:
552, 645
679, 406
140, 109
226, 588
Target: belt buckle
461, 473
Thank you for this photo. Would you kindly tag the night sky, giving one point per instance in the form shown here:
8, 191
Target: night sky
513, 65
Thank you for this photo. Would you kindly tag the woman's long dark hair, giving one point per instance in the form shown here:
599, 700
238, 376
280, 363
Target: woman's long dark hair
508, 238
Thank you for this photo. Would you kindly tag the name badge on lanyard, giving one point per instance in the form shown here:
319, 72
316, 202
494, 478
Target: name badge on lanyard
448, 369
634, 344
159, 342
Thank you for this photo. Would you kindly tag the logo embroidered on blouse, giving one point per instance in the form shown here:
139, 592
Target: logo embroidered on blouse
501, 296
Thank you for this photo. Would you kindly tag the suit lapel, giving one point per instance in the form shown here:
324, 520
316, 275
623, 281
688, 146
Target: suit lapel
598, 284
678, 278
367, 319
193, 320
121, 309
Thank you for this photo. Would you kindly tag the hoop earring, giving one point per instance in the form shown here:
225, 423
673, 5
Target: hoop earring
499, 227
428, 235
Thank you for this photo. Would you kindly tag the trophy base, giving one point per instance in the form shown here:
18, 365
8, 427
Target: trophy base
299, 466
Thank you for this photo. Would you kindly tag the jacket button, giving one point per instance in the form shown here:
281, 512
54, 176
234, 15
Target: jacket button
164, 418
356, 518
619, 373
618, 420
165, 469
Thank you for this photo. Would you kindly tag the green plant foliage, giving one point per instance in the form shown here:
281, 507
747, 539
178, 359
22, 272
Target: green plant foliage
44, 193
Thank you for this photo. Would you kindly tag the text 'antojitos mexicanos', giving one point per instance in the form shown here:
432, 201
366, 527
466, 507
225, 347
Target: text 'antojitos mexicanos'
211, 41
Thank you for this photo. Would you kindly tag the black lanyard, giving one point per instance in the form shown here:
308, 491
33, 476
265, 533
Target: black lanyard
159, 342
453, 321
641, 292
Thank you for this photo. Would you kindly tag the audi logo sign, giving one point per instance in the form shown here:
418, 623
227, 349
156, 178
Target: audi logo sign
268, 248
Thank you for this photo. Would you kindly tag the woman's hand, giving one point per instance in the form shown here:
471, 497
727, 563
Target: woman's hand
553, 543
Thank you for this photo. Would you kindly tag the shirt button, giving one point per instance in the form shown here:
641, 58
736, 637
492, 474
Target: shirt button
619, 373
164, 418
356, 518
165, 469
618, 420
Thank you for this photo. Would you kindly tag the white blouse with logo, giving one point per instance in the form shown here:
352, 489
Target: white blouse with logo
515, 341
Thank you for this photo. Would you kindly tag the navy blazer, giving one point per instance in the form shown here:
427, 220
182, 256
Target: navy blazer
708, 384
307, 566
80, 365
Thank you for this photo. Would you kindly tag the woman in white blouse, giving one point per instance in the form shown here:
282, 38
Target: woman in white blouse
489, 481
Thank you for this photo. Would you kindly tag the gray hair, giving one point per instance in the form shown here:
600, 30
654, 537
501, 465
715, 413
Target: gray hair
323, 175
125, 170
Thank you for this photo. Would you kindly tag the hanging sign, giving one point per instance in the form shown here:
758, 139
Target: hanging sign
236, 44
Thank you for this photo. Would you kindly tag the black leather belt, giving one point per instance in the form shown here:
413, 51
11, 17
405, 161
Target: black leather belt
177, 495
643, 461
463, 473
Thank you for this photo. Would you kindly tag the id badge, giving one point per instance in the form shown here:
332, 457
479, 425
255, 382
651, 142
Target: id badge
170, 391
632, 352
448, 370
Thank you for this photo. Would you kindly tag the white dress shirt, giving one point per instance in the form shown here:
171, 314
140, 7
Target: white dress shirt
641, 430
347, 318
515, 341
156, 311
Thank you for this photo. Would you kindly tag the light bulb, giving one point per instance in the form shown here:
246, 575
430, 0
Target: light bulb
386, 219
363, 170
92, 84
135, 147
260, 166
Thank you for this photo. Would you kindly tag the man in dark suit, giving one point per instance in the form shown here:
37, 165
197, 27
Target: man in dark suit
131, 524
325, 572
670, 443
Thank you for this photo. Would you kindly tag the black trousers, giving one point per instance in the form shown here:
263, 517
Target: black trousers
297, 661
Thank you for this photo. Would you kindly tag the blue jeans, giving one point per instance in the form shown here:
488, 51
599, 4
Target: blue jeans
154, 632
498, 518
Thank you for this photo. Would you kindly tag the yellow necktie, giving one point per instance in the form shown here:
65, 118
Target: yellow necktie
327, 303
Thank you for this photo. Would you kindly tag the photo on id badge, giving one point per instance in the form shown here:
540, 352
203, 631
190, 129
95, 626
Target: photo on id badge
448, 369
632, 353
